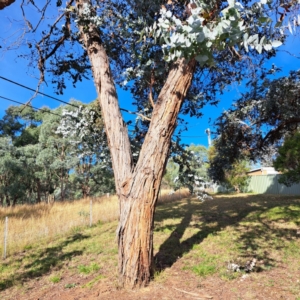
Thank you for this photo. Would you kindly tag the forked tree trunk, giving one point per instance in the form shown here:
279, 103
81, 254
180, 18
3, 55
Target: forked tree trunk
137, 186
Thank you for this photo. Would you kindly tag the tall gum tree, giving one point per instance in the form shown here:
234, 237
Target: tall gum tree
170, 53
137, 186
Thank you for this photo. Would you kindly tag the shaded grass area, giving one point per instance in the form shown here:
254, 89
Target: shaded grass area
228, 229
205, 236
77, 253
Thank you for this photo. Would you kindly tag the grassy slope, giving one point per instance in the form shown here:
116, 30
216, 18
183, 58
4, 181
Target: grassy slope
205, 235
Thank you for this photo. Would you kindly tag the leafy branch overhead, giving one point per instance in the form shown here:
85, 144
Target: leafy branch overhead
137, 36
209, 28
258, 122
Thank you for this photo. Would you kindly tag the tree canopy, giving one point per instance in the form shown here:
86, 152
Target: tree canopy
43, 157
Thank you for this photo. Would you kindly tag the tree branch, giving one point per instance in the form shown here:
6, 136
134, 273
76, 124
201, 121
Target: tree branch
5, 3
43, 57
275, 131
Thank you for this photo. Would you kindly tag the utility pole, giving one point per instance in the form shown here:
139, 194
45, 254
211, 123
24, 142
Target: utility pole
207, 131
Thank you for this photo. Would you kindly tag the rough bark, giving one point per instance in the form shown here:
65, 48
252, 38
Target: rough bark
137, 186
5, 3
135, 232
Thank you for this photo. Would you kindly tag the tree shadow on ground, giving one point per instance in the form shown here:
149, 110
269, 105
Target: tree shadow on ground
214, 215
44, 261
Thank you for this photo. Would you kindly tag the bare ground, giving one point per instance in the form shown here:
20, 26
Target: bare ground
176, 284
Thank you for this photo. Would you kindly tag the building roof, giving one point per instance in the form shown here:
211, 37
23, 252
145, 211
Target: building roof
268, 170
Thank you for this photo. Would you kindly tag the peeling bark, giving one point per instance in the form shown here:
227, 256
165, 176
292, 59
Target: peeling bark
135, 232
137, 186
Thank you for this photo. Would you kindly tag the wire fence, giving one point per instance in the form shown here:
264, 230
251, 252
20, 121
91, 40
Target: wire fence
269, 184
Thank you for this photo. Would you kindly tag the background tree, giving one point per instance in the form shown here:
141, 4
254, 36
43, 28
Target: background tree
37, 158
199, 161
232, 174
171, 173
187, 166
236, 176
85, 129
12, 173
58, 148
288, 160
258, 122
169, 55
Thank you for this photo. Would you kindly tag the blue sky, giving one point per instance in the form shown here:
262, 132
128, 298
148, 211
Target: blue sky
17, 70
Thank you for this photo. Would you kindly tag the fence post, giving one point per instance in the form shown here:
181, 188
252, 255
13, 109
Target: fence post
5, 237
91, 212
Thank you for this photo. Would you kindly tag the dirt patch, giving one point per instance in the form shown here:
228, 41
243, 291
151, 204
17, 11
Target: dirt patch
173, 283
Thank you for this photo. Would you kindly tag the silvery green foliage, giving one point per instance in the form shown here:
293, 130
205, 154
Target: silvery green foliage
86, 16
87, 137
136, 37
199, 36
55, 154
255, 126
186, 168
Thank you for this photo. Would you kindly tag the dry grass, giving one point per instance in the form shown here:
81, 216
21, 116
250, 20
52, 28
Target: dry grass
28, 224
168, 196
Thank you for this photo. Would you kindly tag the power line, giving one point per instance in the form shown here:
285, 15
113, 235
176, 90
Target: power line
31, 89
49, 112
41, 109
28, 88
193, 136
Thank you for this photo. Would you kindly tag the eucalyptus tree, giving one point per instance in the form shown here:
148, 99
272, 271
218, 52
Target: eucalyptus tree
10, 125
85, 129
35, 183
175, 57
22, 124
199, 161
12, 186
20, 128
171, 174
258, 122
55, 154
186, 167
